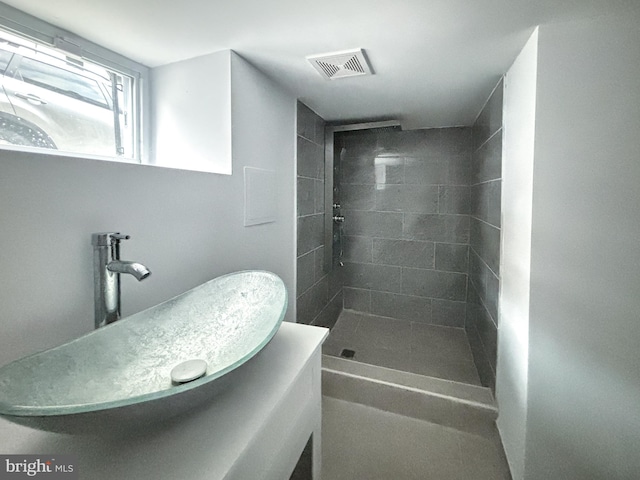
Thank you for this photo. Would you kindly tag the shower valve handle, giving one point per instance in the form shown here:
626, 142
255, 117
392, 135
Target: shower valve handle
338, 218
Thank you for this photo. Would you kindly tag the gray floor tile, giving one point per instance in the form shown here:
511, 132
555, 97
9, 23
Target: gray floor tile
482, 459
343, 334
384, 333
431, 350
360, 442
457, 372
398, 360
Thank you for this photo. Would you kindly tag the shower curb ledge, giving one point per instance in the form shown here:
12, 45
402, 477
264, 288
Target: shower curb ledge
467, 408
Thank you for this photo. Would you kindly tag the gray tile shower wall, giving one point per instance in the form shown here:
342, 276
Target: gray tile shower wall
405, 197
319, 294
481, 320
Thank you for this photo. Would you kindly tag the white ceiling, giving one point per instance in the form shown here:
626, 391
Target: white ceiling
435, 61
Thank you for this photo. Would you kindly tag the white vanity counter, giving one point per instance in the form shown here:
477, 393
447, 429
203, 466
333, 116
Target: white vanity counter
256, 428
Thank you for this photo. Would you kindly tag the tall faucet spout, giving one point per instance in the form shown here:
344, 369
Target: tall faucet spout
107, 268
132, 268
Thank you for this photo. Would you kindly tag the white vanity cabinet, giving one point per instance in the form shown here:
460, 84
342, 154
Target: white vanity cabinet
255, 429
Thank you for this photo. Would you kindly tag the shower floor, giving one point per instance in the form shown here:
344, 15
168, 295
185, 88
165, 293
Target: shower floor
414, 347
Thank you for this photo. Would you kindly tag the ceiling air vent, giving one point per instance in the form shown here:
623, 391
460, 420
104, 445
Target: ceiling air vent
349, 63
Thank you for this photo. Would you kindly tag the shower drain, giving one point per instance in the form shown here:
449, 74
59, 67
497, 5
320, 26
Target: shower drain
346, 353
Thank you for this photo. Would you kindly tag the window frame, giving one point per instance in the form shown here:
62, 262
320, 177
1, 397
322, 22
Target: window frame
23, 24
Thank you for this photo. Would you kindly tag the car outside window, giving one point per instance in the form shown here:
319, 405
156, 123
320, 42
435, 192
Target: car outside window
66, 82
50, 99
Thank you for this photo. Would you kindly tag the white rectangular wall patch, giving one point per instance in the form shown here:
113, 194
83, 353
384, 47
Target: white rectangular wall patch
259, 196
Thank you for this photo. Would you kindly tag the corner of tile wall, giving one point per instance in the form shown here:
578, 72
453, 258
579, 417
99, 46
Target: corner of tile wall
317, 298
481, 322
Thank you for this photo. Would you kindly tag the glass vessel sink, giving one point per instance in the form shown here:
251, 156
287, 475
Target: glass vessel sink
120, 376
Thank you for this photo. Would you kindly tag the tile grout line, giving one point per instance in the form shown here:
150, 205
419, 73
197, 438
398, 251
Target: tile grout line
483, 261
499, 129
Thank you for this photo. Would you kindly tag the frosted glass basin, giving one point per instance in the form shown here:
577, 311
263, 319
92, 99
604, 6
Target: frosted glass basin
120, 375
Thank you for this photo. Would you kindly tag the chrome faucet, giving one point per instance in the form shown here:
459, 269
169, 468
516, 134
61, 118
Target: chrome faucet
107, 268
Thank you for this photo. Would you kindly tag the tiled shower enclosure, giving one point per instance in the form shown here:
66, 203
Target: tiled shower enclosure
405, 199
415, 262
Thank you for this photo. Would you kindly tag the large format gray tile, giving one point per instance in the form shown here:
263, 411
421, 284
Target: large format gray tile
336, 280
311, 302
357, 249
423, 142
490, 119
306, 196
452, 257
434, 284
453, 199
358, 197
485, 240
436, 228
310, 233
478, 275
388, 170
448, 313
459, 170
487, 160
374, 277
489, 335
455, 140
310, 162
373, 224
385, 333
441, 342
483, 459
463, 372
305, 269
358, 171
469, 393
361, 442
403, 307
357, 299
407, 198
417, 403
441, 352
329, 315
426, 171
309, 124
493, 292
318, 129
480, 360
486, 201
383, 357
342, 335
405, 253
305, 122
318, 263
319, 196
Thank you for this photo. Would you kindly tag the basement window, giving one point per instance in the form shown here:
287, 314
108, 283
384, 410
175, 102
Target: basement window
63, 94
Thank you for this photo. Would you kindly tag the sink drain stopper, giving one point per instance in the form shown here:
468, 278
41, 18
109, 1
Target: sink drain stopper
188, 371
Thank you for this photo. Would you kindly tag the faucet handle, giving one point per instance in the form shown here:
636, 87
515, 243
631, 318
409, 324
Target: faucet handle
106, 239
119, 236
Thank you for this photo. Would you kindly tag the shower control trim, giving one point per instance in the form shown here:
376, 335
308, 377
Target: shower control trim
338, 218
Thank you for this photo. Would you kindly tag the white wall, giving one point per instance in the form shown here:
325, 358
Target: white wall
515, 257
584, 336
187, 227
191, 114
